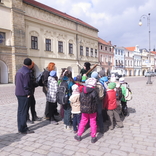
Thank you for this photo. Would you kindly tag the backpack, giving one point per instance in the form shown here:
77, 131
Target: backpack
88, 102
128, 95
118, 93
62, 95
44, 78
100, 90
39, 80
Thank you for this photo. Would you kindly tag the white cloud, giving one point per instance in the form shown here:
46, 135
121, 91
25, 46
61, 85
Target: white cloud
117, 21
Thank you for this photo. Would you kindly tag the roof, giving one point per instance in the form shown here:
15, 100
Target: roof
103, 41
130, 48
57, 12
153, 52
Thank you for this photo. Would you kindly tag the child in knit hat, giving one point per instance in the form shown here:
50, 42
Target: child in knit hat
88, 107
110, 105
75, 104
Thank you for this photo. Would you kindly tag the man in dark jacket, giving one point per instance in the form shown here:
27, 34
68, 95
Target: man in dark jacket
23, 91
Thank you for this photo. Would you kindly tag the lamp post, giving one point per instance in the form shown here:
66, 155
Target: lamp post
149, 55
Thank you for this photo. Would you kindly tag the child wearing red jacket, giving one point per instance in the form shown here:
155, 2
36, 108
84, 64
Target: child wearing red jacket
110, 105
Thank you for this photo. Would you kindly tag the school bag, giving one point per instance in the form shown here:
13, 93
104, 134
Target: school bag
128, 95
62, 95
118, 93
39, 80
100, 90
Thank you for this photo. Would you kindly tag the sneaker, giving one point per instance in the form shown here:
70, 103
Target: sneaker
27, 132
37, 119
117, 126
29, 121
69, 128
111, 127
54, 122
93, 140
78, 138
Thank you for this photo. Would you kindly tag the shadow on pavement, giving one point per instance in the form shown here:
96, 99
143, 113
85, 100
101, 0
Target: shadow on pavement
39, 124
7, 139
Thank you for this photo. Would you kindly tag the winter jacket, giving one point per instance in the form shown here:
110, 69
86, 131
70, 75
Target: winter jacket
23, 82
52, 89
88, 100
110, 100
75, 103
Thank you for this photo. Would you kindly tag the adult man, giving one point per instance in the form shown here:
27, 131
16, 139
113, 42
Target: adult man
23, 91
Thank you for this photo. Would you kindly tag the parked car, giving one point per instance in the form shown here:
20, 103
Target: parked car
149, 74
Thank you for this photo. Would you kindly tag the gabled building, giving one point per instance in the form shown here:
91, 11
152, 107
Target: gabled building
31, 29
119, 57
105, 55
137, 60
129, 64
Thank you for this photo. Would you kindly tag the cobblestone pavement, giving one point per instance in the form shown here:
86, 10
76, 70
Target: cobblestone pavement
137, 138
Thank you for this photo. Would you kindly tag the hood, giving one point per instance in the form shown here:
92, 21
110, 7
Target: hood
87, 89
103, 79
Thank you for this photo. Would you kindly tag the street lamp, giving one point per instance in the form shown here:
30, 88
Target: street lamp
149, 55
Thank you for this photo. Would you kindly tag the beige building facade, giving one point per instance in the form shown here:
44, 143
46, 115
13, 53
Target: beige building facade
31, 29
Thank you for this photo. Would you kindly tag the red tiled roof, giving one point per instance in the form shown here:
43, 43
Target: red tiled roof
154, 52
57, 12
130, 48
103, 41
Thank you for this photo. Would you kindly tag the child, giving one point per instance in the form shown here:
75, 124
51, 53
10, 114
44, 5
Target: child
75, 104
111, 105
51, 96
88, 106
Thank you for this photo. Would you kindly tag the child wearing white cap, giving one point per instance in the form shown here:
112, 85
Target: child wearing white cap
75, 104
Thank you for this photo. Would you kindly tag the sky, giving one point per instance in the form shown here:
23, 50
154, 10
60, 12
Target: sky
116, 20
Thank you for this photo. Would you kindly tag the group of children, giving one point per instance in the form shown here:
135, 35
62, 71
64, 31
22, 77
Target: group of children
88, 98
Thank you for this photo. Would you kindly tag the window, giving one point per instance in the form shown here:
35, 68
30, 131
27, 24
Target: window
115, 51
91, 52
118, 52
101, 59
106, 48
116, 62
81, 50
2, 38
87, 51
101, 47
34, 42
95, 52
110, 49
60, 46
70, 48
48, 45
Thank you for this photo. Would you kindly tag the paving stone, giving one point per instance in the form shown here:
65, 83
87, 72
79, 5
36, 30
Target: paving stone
119, 152
94, 152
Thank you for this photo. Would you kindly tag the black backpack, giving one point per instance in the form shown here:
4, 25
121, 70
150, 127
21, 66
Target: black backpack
62, 95
39, 80
118, 93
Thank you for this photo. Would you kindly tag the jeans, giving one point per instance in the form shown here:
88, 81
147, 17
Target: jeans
76, 121
84, 120
23, 103
67, 114
100, 116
